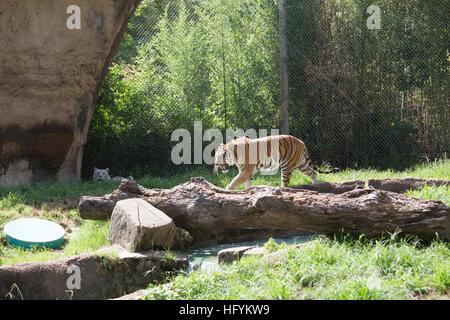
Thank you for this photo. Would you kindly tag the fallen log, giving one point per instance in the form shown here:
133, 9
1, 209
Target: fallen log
101, 208
401, 185
212, 214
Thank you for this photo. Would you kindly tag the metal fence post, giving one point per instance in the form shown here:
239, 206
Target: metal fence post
284, 84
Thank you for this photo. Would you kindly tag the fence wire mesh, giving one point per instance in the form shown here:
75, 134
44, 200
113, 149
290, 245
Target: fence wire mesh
366, 82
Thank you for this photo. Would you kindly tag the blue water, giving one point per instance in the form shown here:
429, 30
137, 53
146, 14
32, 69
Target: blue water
205, 258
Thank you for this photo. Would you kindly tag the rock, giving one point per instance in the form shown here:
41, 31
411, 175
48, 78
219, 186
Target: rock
107, 273
137, 295
50, 79
137, 225
232, 254
258, 251
274, 258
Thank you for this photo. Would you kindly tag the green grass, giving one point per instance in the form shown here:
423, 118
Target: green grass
66, 194
431, 170
54, 192
326, 269
57, 202
441, 193
90, 236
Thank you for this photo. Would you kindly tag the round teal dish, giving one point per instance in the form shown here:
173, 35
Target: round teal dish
30, 233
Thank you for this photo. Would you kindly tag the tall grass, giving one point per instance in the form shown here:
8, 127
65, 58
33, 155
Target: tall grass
441, 193
326, 269
92, 235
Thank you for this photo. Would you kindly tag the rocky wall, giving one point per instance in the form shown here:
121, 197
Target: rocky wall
54, 55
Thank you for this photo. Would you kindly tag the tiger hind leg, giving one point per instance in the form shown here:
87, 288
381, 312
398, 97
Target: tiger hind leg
286, 174
307, 169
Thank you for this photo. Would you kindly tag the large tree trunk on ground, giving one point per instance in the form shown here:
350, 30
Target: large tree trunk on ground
212, 214
50, 75
404, 184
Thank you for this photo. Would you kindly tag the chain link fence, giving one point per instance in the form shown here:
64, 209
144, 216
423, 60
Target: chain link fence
362, 83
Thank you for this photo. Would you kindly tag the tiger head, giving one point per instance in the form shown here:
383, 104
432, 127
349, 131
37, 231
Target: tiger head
223, 159
101, 174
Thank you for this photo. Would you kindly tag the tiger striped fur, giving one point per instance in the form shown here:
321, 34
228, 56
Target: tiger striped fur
263, 154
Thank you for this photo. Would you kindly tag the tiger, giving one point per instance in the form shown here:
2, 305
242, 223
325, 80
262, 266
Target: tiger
265, 154
103, 174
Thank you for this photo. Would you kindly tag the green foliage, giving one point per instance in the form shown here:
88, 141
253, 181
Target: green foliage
368, 93
271, 245
209, 61
358, 97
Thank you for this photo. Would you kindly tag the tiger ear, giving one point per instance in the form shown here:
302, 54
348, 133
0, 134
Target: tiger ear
107, 170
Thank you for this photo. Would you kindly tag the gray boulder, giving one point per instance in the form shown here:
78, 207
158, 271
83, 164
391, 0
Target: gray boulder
232, 254
137, 225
